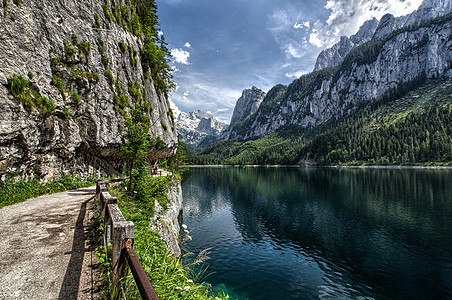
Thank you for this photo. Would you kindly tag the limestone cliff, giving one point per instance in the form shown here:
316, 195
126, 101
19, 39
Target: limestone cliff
375, 30
79, 70
366, 73
332, 57
166, 222
248, 103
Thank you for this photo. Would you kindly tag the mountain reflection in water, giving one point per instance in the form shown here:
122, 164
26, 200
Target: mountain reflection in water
289, 233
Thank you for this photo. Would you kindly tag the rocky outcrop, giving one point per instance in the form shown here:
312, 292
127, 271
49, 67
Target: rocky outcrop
196, 126
86, 69
247, 104
370, 71
333, 56
166, 221
375, 30
388, 24
429, 9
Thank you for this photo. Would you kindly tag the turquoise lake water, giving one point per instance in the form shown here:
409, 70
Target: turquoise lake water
310, 233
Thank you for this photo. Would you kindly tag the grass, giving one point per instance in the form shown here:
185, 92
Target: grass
22, 90
171, 280
13, 191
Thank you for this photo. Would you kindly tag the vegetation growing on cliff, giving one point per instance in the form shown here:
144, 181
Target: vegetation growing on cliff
401, 127
22, 90
140, 18
169, 277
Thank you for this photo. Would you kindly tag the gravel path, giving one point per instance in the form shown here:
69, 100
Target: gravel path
44, 253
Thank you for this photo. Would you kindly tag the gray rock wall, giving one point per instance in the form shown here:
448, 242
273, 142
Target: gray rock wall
84, 133
402, 58
166, 221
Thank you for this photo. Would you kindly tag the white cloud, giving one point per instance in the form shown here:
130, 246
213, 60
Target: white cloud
200, 91
187, 45
306, 24
181, 56
185, 95
174, 108
294, 51
348, 15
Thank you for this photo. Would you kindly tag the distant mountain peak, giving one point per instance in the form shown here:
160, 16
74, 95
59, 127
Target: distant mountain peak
247, 104
197, 125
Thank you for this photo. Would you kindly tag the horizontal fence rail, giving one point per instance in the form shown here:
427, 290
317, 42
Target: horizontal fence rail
120, 233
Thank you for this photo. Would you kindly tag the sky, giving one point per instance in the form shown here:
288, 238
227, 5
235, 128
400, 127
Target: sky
221, 47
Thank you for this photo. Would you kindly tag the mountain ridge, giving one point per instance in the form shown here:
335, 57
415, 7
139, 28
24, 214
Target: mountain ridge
365, 73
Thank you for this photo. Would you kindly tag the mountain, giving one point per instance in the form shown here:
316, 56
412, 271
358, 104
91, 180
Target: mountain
70, 73
198, 129
248, 103
402, 127
375, 30
366, 73
333, 56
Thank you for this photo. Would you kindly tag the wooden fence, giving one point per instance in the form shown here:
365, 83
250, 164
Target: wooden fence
120, 234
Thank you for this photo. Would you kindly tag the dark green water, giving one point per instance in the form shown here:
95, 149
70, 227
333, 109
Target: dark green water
291, 233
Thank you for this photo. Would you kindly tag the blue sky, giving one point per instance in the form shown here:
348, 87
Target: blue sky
221, 47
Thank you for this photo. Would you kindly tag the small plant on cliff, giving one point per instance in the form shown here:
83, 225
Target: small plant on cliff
22, 90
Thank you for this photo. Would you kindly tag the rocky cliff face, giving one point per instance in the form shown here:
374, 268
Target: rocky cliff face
194, 127
366, 73
333, 56
79, 71
166, 221
375, 30
247, 104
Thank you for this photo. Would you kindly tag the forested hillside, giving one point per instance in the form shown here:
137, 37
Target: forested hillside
410, 124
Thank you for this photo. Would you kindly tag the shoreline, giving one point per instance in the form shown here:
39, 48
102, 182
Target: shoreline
313, 166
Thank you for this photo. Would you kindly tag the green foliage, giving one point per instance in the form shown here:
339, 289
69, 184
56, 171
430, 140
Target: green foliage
136, 147
122, 101
13, 191
96, 21
122, 46
164, 125
308, 83
134, 91
30, 75
58, 83
69, 52
17, 2
178, 160
21, 89
407, 125
85, 48
100, 46
76, 97
17, 85
169, 277
386, 132
107, 13
110, 78
170, 114
5, 3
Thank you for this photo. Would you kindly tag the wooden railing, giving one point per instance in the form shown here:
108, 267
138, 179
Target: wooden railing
120, 234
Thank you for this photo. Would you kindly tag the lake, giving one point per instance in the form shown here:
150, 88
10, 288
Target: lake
330, 233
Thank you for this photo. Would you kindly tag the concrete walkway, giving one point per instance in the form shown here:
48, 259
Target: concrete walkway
44, 253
